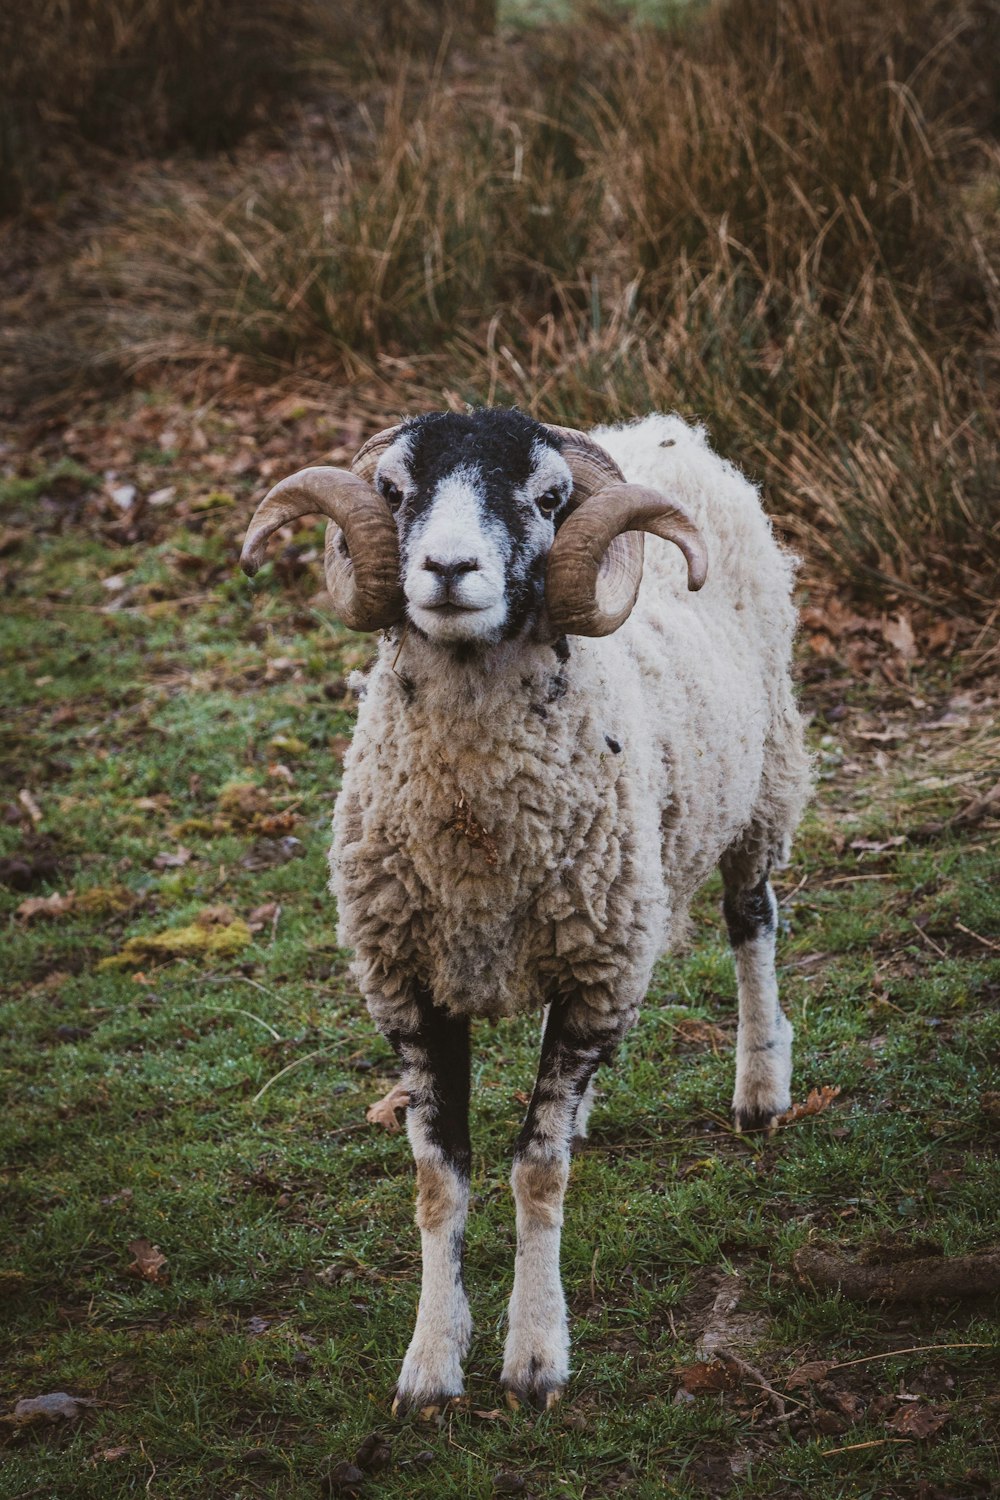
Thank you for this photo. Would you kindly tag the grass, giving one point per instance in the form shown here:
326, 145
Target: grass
151, 1102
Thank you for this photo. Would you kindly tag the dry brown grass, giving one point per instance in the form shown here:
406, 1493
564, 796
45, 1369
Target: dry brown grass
780, 219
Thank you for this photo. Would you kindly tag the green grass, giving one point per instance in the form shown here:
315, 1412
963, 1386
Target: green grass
135, 1106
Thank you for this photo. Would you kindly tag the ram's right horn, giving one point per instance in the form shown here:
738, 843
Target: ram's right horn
362, 543
595, 564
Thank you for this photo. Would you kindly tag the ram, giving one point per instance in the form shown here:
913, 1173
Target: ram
549, 760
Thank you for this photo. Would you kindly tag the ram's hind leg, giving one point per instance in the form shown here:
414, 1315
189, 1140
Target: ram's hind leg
436, 1073
764, 1035
536, 1358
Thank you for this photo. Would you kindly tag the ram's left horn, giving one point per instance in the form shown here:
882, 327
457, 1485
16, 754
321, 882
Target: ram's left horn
362, 543
595, 564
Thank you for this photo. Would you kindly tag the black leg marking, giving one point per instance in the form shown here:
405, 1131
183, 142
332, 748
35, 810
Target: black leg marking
749, 913
536, 1360
436, 1071
764, 1036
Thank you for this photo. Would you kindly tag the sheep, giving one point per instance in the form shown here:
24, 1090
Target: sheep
548, 762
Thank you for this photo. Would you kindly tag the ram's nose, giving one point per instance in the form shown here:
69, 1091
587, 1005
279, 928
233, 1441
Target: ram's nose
450, 572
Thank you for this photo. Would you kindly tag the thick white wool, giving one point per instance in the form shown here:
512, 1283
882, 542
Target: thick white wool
535, 829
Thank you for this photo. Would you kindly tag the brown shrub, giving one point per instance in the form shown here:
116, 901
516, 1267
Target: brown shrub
781, 219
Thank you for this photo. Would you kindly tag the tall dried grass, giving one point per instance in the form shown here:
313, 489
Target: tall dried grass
782, 219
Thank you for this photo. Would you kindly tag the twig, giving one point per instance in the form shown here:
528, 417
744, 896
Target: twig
287, 1069
916, 1349
986, 942
966, 817
856, 1447
231, 1010
728, 1356
936, 947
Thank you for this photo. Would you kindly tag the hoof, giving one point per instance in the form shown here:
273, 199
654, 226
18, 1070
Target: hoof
747, 1121
541, 1397
426, 1408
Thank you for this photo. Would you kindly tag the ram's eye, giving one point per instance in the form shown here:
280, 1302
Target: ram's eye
549, 502
391, 493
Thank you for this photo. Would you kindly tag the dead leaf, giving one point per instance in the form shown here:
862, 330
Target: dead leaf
918, 1421
148, 1262
110, 1455
704, 1033
45, 906
706, 1378
873, 846
264, 916
817, 1101
29, 804
242, 802
221, 915
57, 1407
264, 854
174, 859
898, 633
383, 1111
803, 1375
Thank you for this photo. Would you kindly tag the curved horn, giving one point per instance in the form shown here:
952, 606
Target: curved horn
365, 461
362, 544
595, 564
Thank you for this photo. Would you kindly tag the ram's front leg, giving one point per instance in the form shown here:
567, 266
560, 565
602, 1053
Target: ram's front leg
436, 1073
536, 1359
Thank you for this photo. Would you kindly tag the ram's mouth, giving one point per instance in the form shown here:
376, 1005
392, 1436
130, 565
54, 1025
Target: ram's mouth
449, 607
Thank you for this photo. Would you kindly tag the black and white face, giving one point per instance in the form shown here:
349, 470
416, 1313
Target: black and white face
477, 500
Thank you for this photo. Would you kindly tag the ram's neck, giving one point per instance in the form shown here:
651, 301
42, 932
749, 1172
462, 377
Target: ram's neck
470, 686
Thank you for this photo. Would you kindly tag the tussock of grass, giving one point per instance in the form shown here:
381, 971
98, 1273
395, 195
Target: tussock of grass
781, 220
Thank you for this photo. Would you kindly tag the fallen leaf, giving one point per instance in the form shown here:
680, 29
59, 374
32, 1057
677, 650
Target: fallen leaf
29, 804
695, 1032
45, 906
706, 1378
264, 916
242, 802
918, 1421
174, 859
898, 633
383, 1111
263, 854
874, 846
817, 1101
220, 915
148, 1261
803, 1375
57, 1407
109, 1455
